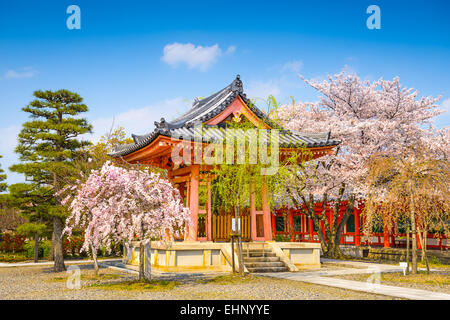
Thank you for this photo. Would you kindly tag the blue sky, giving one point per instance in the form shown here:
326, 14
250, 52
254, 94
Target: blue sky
136, 61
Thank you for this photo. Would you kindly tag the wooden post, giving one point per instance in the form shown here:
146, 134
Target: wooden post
407, 250
232, 254
193, 203
208, 212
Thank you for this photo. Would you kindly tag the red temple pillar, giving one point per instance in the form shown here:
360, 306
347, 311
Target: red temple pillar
386, 236
357, 227
253, 215
208, 212
193, 201
291, 221
266, 214
274, 225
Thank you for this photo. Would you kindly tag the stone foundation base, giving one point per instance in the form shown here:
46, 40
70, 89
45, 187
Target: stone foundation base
217, 257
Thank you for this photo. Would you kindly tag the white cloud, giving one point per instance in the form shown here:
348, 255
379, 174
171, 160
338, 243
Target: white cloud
194, 56
9, 143
260, 89
446, 104
23, 73
230, 50
293, 66
9, 139
138, 121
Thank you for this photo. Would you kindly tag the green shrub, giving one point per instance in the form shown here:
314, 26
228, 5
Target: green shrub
282, 238
43, 250
46, 246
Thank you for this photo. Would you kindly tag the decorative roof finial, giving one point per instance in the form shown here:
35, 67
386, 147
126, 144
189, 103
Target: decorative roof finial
237, 85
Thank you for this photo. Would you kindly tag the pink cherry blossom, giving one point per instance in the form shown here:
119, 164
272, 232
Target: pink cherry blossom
119, 204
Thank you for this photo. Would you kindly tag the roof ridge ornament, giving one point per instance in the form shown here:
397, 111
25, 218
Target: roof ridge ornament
162, 125
236, 85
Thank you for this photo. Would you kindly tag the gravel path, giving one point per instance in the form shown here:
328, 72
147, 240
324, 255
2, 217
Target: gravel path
43, 283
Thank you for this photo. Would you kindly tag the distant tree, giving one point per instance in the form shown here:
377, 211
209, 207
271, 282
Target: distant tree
412, 185
34, 202
3, 185
10, 218
47, 148
99, 151
33, 230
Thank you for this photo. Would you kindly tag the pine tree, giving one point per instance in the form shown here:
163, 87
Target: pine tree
3, 185
34, 202
48, 147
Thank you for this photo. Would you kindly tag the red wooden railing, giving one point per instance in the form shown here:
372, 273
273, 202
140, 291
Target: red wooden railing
306, 233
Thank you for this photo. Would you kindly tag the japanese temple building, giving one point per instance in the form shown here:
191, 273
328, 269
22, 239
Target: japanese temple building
206, 242
155, 148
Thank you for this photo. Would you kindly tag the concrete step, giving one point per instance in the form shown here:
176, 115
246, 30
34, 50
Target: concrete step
259, 254
261, 259
264, 264
267, 269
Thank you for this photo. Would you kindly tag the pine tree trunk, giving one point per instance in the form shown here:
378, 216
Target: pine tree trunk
36, 247
58, 244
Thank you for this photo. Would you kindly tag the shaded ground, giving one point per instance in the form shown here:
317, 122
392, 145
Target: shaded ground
43, 283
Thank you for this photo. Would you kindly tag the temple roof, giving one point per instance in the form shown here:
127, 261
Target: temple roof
205, 109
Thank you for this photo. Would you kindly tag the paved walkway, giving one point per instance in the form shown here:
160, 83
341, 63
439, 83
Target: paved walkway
51, 263
322, 278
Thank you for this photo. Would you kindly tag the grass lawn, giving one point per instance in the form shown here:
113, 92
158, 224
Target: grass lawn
91, 277
136, 285
230, 279
9, 257
13, 257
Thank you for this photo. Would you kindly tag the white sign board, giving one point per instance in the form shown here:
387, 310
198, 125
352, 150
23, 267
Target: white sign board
233, 225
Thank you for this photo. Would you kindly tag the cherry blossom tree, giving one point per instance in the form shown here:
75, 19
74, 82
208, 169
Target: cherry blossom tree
412, 185
117, 204
368, 117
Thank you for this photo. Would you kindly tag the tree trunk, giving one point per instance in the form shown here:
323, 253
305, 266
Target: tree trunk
232, 255
58, 245
414, 237
407, 250
36, 247
241, 257
148, 261
239, 242
94, 256
340, 228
